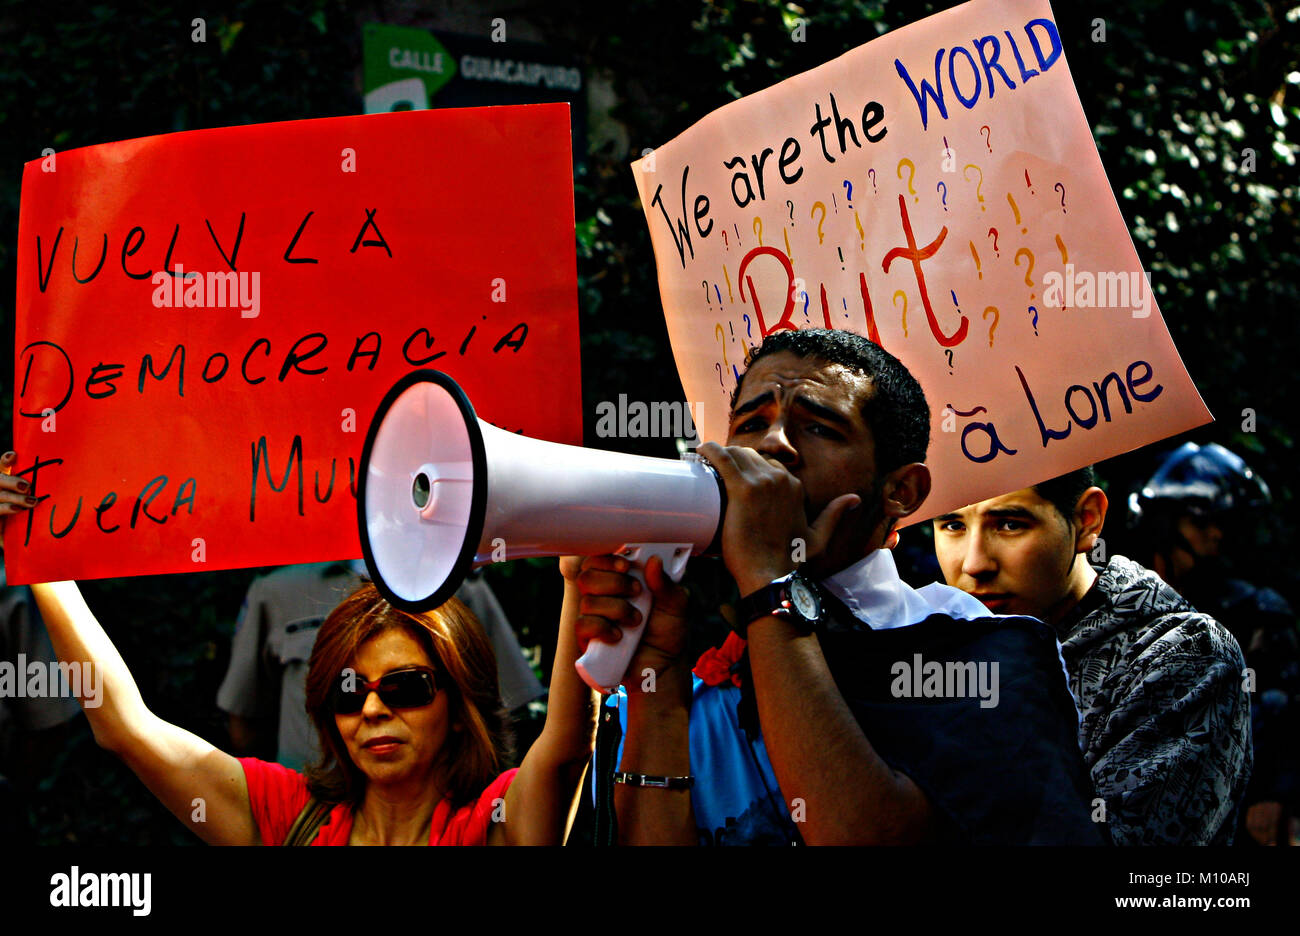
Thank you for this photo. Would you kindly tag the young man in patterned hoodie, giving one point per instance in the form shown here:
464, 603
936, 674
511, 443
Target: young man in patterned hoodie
1165, 718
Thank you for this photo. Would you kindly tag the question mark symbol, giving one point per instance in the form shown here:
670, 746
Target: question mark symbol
943, 190
705, 284
948, 351
993, 233
748, 333
872, 173
1061, 188
1029, 255
805, 303
911, 174
979, 185
848, 187
987, 133
820, 221
791, 204
724, 240
1034, 309
902, 295
996, 317
758, 230
719, 367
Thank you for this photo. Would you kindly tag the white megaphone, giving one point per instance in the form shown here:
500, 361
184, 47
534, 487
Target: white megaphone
442, 492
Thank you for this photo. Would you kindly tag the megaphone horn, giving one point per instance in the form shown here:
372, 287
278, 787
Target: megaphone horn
441, 492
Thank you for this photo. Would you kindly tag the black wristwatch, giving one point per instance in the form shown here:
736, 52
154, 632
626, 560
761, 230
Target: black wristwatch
793, 597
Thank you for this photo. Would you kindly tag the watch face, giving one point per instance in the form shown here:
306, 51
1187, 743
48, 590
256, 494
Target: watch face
804, 600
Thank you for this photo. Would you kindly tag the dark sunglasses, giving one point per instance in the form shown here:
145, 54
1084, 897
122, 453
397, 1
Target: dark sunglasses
400, 689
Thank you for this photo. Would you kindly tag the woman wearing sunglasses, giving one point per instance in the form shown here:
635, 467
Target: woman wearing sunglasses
410, 721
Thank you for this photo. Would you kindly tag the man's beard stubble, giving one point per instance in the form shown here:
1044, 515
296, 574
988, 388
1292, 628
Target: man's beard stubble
848, 543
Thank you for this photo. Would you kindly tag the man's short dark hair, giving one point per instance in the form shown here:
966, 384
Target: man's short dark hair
895, 409
1064, 492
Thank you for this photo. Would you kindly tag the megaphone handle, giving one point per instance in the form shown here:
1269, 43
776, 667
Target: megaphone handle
603, 665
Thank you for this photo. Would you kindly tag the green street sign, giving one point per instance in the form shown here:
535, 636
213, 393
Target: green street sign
404, 68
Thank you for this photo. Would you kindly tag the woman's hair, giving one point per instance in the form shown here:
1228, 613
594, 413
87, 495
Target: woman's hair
466, 670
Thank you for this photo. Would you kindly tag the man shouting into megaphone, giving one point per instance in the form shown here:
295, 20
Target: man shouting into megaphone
847, 707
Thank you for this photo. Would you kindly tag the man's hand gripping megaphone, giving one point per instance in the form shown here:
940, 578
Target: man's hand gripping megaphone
765, 519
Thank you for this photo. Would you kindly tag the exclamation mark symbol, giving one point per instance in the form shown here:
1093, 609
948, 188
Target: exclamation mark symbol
841, 253
976, 255
1015, 208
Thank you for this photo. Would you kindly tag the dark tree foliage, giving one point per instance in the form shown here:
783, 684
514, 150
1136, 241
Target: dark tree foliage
1178, 94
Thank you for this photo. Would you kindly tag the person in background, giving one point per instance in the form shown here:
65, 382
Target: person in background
1165, 727
1189, 519
32, 730
264, 691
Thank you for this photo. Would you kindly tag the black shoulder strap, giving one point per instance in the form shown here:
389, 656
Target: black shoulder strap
608, 736
304, 828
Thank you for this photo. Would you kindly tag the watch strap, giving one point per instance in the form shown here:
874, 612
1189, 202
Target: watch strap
774, 599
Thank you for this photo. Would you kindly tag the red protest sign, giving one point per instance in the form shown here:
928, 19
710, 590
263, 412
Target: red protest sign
206, 322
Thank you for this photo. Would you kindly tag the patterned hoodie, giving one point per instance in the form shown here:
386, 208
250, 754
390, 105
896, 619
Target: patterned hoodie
1165, 726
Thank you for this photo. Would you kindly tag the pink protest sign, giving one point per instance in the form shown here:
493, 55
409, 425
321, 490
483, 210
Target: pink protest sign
937, 190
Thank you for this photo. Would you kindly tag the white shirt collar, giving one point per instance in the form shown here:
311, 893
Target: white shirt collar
875, 595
